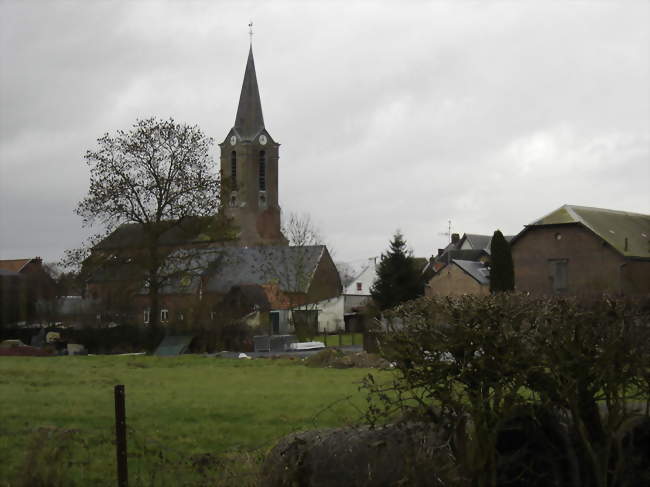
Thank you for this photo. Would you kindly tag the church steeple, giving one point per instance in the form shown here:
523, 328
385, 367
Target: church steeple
249, 166
249, 121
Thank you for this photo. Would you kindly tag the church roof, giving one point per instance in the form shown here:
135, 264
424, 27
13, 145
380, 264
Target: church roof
290, 268
249, 120
190, 230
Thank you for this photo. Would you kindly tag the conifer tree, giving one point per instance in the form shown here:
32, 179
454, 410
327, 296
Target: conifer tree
502, 273
398, 278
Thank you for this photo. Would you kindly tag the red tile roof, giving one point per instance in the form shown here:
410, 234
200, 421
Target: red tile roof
14, 265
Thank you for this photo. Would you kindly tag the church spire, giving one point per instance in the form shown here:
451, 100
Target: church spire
249, 120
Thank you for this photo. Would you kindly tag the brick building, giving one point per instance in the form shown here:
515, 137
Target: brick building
580, 250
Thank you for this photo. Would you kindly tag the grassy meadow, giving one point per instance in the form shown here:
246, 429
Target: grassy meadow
192, 420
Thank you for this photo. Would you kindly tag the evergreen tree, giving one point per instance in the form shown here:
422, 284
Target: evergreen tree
502, 272
398, 278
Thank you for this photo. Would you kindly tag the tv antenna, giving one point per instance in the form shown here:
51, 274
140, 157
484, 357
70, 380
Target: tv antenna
448, 232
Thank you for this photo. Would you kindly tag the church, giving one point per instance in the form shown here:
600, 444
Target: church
253, 274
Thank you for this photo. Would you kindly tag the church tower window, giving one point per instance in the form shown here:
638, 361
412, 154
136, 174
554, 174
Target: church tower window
233, 169
262, 171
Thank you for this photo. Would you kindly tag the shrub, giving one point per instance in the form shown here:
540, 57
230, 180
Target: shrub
476, 362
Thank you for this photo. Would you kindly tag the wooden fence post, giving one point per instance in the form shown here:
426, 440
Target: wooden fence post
120, 437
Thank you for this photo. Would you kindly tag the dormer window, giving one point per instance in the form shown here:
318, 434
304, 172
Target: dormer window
262, 171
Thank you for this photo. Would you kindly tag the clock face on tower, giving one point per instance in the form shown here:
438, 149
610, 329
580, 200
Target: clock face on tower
263, 139
233, 140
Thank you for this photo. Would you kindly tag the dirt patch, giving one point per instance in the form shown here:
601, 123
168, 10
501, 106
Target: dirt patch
332, 357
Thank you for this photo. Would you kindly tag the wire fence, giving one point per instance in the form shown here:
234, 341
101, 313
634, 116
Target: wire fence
71, 457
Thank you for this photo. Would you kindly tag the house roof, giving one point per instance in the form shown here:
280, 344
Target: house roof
614, 227
476, 270
468, 254
14, 265
480, 242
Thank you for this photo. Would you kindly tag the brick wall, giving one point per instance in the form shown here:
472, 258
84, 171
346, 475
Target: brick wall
593, 267
452, 280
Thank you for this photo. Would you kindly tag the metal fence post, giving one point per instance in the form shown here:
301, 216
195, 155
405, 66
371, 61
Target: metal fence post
120, 437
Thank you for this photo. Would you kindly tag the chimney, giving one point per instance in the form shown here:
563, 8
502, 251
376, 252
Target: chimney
440, 251
455, 238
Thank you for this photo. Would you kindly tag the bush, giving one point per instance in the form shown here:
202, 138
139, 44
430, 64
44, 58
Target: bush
480, 361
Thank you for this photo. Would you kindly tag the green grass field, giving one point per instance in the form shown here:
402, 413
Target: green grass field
333, 340
192, 420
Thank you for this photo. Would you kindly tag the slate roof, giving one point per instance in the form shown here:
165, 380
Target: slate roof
468, 254
291, 268
481, 242
614, 227
249, 120
476, 270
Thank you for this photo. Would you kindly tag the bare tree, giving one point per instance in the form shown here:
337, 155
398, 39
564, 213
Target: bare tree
300, 231
152, 189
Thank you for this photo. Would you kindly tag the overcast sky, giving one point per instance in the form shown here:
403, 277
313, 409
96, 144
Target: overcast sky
390, 114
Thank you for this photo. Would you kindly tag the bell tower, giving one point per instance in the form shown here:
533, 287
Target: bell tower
249, 168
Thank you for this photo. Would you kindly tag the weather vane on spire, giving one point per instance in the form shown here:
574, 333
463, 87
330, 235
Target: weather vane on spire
250, 31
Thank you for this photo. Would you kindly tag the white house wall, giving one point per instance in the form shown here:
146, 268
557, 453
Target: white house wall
366, 278
330, 315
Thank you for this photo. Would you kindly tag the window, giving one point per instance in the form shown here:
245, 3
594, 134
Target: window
164, 315
146, 316
233, 168
559, 275
359, 286
262, 171
275, 322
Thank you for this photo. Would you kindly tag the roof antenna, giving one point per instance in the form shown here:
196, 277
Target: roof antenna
250, 32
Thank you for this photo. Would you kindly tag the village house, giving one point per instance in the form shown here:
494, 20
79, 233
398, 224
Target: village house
580, 250
459, 277
462, 267
23, 283
345, 312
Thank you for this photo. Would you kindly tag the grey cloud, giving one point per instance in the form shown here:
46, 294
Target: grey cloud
490, 114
